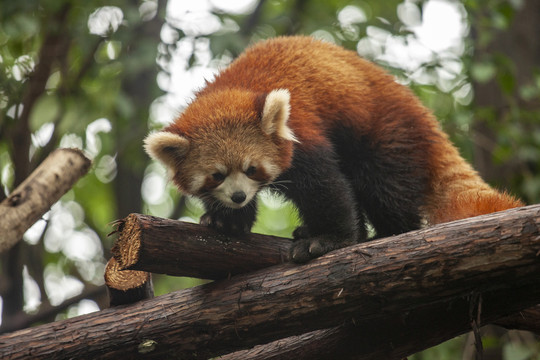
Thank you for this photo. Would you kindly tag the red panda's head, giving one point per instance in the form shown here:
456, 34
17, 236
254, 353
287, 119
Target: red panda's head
227, 145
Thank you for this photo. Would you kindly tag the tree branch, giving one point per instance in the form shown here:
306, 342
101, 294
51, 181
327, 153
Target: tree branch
31, 199
252, 20
375, 285
391, 337
48, 312
183, 249
161, 240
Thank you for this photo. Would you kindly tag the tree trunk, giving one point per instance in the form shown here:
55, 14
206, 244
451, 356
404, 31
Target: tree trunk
515, 53
139, 86
54, 47
480, 268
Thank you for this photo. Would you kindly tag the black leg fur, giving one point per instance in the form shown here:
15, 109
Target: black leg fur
230, 221
391, 184
325, 201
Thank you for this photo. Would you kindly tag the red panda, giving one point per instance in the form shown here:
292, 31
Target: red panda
332, 132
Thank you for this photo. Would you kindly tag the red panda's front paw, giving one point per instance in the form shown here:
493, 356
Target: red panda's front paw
303, 250
225, 224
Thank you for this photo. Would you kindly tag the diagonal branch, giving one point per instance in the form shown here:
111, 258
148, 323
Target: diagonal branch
33, 198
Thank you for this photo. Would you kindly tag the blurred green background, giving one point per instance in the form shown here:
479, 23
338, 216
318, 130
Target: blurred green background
99, 75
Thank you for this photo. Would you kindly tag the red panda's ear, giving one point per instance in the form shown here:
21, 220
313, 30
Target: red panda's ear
275, 114
166, 147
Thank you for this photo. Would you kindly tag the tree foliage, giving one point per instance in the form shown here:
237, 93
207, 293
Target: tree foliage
98, 75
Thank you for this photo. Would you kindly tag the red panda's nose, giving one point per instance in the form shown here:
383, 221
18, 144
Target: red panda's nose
238, 197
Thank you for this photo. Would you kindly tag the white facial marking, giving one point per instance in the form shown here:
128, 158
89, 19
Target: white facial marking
221, 168
197, 182
271, 169
236, 182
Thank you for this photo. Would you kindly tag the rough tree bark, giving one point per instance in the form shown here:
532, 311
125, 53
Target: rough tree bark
391, 337
33, 198
481, 268
182, 249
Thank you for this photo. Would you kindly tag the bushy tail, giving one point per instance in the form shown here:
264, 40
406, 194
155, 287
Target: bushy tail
472, 202
458, 191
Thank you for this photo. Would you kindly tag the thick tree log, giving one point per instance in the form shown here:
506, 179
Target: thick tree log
183, 249
490, 261
391, 337
127, 286
33, 198
168, 245
312, 344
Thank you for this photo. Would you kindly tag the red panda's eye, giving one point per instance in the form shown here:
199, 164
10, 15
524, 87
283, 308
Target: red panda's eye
251, 171
218, 176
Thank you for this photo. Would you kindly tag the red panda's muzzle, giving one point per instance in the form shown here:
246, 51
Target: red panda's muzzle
236, 190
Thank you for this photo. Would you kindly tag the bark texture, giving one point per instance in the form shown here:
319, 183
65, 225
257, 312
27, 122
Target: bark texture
342, 340
33, 198
469, 271
183, 249
392, 336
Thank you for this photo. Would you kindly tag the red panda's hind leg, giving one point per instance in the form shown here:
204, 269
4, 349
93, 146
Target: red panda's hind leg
389, 186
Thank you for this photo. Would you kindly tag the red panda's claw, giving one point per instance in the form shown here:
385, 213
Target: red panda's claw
304, 250
225, 224
206, 220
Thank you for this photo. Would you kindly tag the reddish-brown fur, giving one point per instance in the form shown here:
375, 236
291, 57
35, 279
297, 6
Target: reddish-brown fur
325, 80
202, 122
366, 147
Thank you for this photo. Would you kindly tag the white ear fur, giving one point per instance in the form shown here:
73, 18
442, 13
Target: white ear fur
166, 147
275, 114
